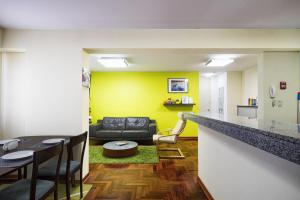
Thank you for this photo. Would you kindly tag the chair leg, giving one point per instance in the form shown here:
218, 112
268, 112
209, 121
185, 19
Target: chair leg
181, 156
73, 180
81, 189
68, 188
55, 193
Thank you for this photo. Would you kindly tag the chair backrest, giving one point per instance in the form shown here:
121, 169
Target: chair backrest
42, 156
181, 123
74, 141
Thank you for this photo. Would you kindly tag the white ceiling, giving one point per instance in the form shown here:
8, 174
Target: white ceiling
95, 14
170, 60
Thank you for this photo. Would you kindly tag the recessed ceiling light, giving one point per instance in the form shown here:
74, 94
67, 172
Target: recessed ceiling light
208, 75
218, 62
113, 62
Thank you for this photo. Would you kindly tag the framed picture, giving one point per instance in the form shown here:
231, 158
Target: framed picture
86, 77
179, 85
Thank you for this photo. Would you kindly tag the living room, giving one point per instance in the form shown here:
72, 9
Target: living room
139, 86
48, 47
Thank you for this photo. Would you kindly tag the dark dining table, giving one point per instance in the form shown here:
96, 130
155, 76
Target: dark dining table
33, 143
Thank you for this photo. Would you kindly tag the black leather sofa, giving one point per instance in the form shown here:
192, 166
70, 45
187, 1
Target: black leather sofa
123, 128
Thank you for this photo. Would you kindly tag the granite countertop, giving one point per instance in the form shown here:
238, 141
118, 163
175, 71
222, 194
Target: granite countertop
279, 138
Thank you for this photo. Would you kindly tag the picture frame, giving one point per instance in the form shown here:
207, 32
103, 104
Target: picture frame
178, 85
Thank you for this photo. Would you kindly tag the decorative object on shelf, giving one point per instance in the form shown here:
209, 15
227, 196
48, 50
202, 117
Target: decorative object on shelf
177, 85
252, 102
185, 100
179, 104
177, 101
169, 101
86, 78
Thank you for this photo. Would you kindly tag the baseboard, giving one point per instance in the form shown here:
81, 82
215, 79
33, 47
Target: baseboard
188, 138
204, 188
85, 177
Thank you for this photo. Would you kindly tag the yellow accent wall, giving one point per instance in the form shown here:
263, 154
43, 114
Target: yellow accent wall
122, 94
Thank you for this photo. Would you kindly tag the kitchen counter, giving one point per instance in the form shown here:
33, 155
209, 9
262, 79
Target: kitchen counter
242, 158
278, 138
247, 106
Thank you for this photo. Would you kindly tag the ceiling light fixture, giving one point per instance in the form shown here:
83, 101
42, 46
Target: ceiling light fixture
208, 74
218, 62
113, 62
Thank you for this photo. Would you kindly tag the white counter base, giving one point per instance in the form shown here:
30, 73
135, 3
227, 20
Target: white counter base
233, 170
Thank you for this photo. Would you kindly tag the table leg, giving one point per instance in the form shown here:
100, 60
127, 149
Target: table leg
25, 172
19, 174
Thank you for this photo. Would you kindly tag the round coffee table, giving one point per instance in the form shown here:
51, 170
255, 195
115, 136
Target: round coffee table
120, 149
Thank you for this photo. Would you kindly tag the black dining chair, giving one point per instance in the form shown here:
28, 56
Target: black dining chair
34, 188
69, 167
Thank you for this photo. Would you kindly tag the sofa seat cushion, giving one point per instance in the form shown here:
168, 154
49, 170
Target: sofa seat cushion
135, 133
109, 133
113, 123
137, 123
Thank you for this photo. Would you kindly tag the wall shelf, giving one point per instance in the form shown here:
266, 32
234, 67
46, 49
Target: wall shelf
180, 104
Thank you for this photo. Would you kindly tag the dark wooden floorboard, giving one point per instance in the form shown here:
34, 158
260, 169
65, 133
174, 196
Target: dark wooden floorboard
168, 180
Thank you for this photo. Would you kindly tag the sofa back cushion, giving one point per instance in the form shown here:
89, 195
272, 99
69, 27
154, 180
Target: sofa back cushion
114, 123
137, 123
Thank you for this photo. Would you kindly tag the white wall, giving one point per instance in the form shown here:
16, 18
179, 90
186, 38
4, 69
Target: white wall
260, 77
1, 37
234, 92
217, 82
276, 67
13, 95
232, 83
1, 132
249, 84
207, 39
1, 31
53, 80
85, 111
232, 170
204, 93
51, 84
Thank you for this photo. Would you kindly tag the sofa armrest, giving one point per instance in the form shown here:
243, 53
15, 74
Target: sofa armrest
94, 128
152, 128
152, 121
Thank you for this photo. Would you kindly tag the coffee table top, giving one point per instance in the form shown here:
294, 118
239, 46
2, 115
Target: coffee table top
115, 145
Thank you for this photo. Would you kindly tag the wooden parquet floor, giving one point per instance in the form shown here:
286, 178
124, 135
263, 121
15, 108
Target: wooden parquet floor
170, 179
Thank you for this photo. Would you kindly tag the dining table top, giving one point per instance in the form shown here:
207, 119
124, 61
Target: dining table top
34, 143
